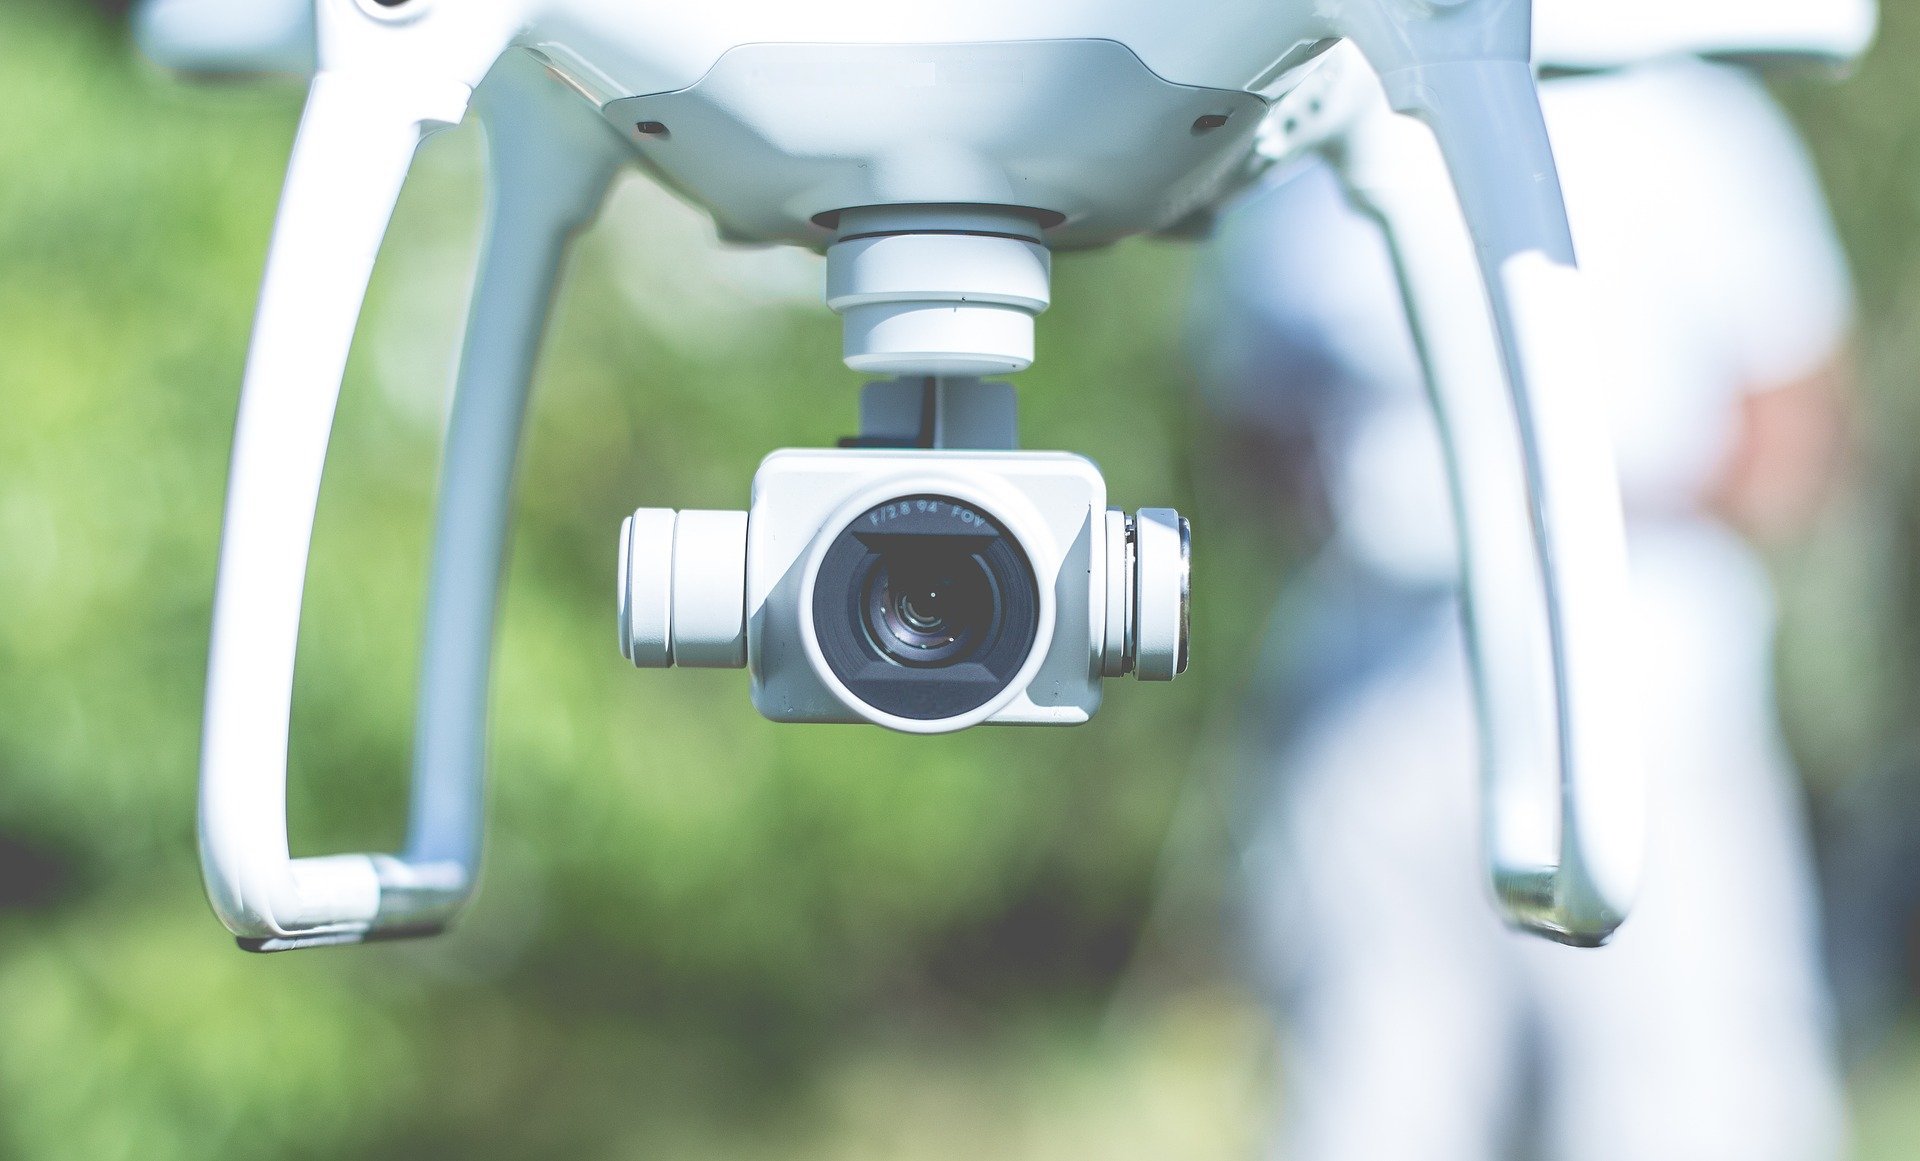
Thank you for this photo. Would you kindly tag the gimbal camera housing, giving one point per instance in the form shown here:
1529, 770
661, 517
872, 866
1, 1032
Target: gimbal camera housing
922, 590
939, 154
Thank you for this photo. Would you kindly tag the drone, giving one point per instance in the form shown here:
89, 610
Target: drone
929, 575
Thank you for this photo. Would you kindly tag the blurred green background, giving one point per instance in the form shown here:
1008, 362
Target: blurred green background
699, 934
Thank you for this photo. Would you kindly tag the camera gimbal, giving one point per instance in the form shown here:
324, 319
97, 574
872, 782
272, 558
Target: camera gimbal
938, 155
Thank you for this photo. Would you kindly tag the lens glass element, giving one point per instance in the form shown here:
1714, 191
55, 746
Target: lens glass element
925, 607
929, 605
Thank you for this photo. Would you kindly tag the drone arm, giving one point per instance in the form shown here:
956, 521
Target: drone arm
551, 163
1572, 881
545, 181
1393, 169
351, 156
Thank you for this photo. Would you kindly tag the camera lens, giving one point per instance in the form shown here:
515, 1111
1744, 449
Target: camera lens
929, 605
925, 607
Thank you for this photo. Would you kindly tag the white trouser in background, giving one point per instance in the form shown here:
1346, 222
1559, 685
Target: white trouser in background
1415, 1027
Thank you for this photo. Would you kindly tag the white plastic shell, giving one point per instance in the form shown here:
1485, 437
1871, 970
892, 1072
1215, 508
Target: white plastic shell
682, 589
1053, 503
551, 168
1582, 34
1160, 594
646, 587
1116, 656
938, 294
709, 590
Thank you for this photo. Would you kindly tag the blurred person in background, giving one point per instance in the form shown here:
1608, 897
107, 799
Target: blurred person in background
1414, 1025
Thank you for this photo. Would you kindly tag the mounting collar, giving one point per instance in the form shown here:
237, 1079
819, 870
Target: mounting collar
938, 290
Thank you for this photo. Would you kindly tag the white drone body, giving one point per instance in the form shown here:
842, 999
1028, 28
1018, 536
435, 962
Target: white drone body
938, 154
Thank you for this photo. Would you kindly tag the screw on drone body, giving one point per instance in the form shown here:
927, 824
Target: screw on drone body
1207, 122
